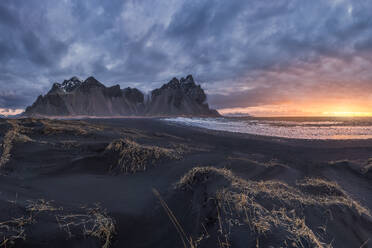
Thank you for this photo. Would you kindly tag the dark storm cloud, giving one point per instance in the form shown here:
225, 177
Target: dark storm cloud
8, 16
15, 100
248, 98
245, 53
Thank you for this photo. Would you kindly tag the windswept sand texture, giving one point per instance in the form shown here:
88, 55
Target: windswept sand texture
145, 183
268, 213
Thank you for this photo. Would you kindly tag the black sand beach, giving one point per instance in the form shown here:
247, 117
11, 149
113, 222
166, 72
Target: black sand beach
131, 183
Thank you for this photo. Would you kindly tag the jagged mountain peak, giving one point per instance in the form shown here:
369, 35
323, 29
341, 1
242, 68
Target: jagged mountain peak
182, 83
73, 79
180, 97
90, 83
92, 80
66, 86
71, 84
189, 79
90, 97
183, 87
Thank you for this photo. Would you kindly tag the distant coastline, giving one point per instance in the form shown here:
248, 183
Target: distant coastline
312, 128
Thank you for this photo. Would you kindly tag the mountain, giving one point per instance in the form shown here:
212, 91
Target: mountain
74, 97
89, 97
179, 97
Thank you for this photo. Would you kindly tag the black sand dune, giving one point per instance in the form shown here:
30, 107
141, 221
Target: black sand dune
145, 183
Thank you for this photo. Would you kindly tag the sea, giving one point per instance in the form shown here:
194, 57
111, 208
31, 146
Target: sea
320, 128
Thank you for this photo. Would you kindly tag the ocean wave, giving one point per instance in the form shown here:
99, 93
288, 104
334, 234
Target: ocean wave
295, 129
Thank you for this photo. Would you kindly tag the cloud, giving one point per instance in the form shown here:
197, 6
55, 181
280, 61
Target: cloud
244, 53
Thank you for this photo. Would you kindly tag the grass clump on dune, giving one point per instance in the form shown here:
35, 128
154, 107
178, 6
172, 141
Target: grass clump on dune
13, 230
72, 223
264, 213
13, 135
129, 157
53, 127
95, 223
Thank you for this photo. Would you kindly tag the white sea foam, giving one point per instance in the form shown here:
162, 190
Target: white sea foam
305, 128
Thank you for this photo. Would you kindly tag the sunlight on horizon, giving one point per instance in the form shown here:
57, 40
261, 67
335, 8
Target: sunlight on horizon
9, 112
348, 114
299, 110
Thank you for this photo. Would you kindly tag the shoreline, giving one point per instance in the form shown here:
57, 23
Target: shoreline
248, 135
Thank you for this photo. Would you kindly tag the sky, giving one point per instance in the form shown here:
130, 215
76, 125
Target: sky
283, 57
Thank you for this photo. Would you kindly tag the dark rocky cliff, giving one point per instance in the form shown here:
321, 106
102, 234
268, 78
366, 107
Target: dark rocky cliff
179, 97
74, 97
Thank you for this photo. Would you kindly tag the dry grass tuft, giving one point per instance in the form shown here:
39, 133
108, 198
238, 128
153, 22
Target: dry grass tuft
53, 127
41, 205
13, 135
56, 127
271, 210
320, 187
19, 129
130, 157
283, 224
199, 175
95, 223
13, 230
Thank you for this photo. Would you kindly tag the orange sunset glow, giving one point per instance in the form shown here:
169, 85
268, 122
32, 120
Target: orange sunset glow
303, 109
